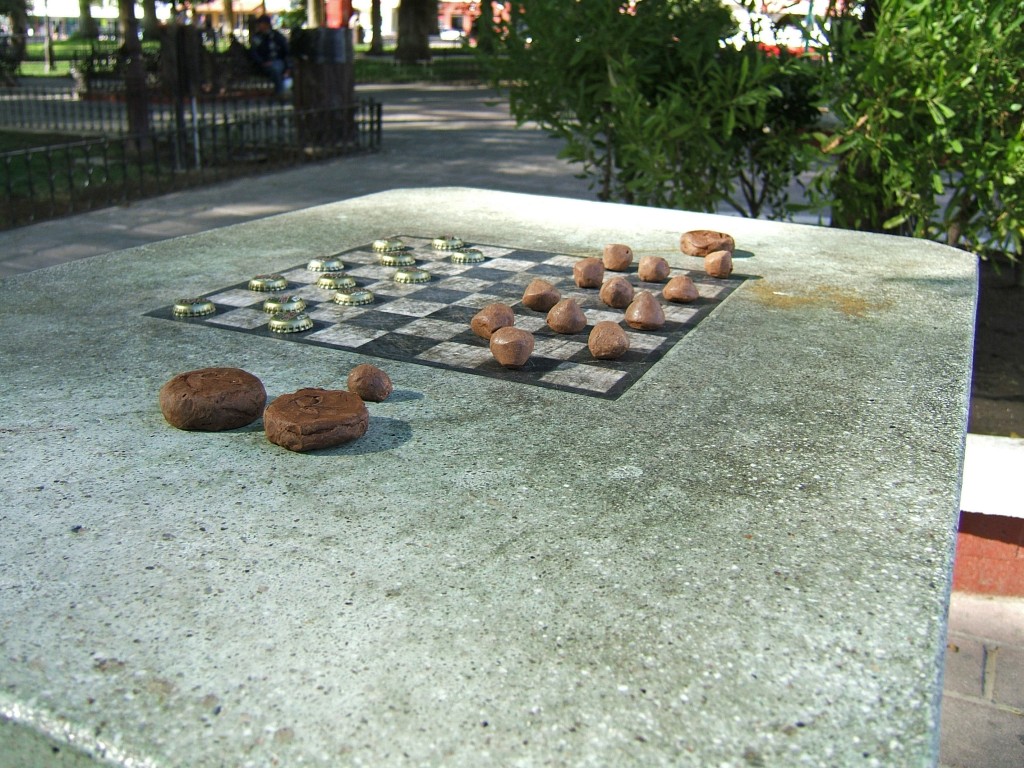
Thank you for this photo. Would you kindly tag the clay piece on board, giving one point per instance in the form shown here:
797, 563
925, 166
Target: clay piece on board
718, 264
312, 418
588, 273
681, 290
645, 313
540, 295
701, 242
511, 347
617, 292
566, 317
370, 383
608, 341
617, 257
653, 269
491, 318
212, 399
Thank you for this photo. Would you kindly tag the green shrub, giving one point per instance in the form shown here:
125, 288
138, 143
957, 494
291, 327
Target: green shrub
930, 139
653, 104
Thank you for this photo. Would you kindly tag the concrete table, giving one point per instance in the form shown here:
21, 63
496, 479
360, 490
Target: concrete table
744, 559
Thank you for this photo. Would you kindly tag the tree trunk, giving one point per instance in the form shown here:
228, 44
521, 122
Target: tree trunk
316, 14
88, 29
150, 22
417, 19
228, 9
18, 14
136, 101
376, 23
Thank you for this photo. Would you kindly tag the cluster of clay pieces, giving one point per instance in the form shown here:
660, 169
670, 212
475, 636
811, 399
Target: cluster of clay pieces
513, 346
218, 399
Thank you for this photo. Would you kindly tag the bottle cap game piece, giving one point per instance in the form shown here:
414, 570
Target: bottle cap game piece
193, 308
290, 322
268, 283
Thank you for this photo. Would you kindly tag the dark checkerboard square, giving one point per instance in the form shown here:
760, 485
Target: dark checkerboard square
428, 323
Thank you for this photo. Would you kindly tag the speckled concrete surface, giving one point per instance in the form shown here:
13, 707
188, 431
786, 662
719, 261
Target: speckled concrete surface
744, 560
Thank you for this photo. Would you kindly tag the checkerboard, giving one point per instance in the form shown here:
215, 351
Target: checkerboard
428, 323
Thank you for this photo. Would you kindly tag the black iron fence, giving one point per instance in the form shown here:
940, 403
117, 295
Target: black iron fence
206, 147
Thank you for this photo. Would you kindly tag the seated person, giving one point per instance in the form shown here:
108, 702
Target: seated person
269, 50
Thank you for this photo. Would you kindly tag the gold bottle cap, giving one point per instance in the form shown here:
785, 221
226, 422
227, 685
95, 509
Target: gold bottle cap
467, 256
446, 243
336, 281
410, 275
386, 244
268, 283
354, 298
331, 264
397, 259
193, 308
288, 303
290, 322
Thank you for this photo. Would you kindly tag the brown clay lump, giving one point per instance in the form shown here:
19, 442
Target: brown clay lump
588, 273
608, 341
701, 242
370, 383
718, 264
212, 399
617, 257
310, 419
511, 347
566, 317
653, 269
540, 295
681, 290
645, 313
491, 318
617, 292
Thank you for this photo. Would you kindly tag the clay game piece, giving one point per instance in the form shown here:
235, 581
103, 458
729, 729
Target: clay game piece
566, 317
617, 257
540, 295
645, 313
312, 418
653, 269
370, 383
588, 273
511, 347
608, 341
617, 292
701, 242
212, 399
718, 264
681, 290
491, 318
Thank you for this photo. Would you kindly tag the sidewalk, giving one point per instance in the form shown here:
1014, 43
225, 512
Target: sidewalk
442, 136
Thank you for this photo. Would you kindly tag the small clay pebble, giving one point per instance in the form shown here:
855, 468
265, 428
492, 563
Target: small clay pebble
681, 290
491, 318
511, 347
608, 341
540, 295
617, 292
588, 273
645, 313
310, 419
212, 399
566, 317
617, 257
701, 242
653, 269
370, 383
718, 264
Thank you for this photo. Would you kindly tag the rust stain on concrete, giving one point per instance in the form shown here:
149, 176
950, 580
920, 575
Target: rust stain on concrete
784, 296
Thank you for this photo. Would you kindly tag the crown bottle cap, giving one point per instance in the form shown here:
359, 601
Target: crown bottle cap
268, 283
193, 308
353, 298
288, 303
336, 281
290, 322
330, 264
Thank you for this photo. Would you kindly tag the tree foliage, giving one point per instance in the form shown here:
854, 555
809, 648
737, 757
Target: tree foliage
654, 105
930, 140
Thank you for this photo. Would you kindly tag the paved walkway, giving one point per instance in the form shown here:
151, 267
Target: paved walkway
462, 136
